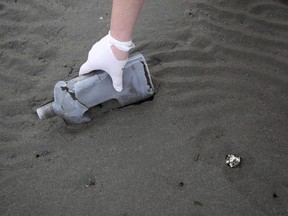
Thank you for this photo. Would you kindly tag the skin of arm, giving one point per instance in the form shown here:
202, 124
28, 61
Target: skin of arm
123, 19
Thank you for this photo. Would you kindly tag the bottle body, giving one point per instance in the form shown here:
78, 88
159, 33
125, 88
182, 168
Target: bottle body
74, 97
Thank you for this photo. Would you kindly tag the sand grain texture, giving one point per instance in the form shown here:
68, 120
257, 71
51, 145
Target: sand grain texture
221, 69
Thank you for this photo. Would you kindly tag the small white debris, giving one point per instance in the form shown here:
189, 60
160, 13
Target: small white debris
101, 18
233, 160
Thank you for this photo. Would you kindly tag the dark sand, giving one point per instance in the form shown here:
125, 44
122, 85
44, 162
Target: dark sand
222, 69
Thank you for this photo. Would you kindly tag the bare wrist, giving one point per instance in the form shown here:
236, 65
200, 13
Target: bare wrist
119, 54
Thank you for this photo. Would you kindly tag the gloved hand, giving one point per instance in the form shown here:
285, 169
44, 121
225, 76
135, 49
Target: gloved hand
101, 57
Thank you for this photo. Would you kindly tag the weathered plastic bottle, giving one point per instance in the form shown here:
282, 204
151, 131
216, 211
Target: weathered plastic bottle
74, 97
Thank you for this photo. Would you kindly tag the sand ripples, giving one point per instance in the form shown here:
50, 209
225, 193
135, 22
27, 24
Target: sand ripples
27, 47
227, 72
222, 81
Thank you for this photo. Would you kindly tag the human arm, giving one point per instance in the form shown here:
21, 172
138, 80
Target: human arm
111, 52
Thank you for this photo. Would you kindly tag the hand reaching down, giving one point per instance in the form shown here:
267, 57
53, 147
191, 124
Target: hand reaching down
109, 55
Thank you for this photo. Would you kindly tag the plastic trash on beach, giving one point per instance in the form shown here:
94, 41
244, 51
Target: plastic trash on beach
233, 160
74, 97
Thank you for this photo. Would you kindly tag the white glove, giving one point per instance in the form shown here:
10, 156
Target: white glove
101, 57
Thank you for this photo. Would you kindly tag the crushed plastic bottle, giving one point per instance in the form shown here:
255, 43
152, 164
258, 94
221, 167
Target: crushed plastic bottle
74, 97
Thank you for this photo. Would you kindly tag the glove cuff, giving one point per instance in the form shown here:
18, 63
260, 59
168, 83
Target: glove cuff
123, 46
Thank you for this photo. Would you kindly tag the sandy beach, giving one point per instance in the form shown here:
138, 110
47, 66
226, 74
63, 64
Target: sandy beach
221, 72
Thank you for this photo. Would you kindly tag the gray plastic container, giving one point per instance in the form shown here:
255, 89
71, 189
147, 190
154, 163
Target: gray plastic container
74, 97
